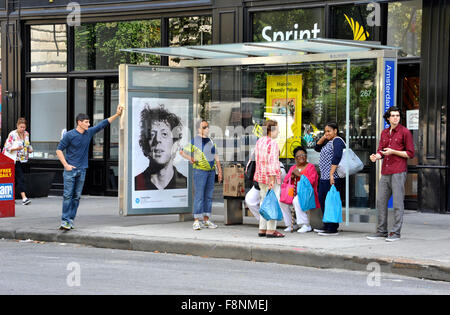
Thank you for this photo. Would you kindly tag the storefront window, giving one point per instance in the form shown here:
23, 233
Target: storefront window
405, 27
48, 112
189, 31
97, 45
288, 25
48, 44
356, 22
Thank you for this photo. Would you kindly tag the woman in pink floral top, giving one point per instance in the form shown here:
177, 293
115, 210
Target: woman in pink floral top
18, 145
267, 173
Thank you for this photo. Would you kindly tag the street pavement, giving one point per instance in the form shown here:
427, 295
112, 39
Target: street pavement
422, 252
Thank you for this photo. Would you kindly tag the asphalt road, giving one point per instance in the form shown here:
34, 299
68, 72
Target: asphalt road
55, 268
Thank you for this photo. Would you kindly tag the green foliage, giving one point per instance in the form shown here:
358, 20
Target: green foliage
97, 45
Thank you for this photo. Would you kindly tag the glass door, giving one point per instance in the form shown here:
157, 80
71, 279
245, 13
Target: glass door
99, 97
112, 172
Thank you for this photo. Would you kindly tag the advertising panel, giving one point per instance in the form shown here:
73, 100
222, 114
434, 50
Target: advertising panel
159, 133
284, 104
154, 178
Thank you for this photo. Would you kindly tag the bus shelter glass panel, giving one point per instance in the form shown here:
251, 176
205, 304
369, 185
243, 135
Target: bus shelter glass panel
323, 100
302, 99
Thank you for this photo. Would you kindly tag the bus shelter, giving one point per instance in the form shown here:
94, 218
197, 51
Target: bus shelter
303, 84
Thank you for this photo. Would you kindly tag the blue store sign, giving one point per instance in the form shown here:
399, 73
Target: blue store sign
389, 85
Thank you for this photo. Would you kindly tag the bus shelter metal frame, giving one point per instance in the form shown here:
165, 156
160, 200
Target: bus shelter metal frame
371, 51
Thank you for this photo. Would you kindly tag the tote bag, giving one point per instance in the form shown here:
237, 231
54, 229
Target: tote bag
349, 159
287, 192
270, 208
333, 207
305, 193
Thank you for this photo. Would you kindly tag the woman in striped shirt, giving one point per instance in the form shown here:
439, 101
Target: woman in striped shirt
267, 173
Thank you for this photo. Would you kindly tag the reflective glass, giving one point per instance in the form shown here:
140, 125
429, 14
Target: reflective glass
302, 99
48, 45
114, 127
288, 25
99, 138
189, 31
356, 22
80, 98
48, 115
405, 27
97, 45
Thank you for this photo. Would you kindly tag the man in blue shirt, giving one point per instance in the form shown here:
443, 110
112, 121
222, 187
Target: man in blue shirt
76, 143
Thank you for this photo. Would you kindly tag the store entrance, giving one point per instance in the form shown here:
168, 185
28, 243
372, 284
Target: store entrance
408, 101
99, 97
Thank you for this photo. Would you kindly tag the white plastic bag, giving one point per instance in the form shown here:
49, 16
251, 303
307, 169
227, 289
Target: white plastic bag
350, 160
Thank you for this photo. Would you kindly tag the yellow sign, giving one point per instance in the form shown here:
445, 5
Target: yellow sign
5, 172
284, 104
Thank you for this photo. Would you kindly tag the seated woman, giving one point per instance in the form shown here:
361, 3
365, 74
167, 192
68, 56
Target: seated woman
301, 167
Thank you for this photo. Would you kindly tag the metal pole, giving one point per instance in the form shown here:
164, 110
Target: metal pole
347, 141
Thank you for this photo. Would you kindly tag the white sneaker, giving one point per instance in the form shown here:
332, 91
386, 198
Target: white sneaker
209, 225
305, 229
196, 226
328, 233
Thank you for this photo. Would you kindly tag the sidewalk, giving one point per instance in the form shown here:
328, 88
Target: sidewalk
423, 251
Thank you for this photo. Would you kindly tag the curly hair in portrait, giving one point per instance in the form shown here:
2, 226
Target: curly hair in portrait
150, 115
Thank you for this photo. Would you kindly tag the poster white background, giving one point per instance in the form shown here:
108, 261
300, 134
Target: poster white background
167, 198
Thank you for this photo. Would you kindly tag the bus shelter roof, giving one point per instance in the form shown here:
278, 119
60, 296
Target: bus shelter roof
289, 50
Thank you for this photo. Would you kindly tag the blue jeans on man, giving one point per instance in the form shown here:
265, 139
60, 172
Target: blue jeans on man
203, 194
73, 186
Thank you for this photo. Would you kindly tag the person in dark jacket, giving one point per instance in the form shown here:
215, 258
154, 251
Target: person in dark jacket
331, 147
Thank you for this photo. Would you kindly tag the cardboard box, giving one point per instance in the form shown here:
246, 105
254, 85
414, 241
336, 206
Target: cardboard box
233, 181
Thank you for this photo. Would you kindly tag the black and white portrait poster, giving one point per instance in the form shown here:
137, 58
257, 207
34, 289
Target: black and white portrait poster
159, 131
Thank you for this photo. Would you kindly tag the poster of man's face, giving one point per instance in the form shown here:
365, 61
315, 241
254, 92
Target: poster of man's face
159, 133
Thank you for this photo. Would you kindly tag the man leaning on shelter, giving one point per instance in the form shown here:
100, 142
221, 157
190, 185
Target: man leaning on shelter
395, 147
76, 143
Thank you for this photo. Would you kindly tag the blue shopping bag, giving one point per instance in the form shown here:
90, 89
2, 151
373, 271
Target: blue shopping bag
270, 208
333, 207
305, 193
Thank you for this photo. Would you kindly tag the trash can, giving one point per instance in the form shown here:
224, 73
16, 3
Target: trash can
7, 202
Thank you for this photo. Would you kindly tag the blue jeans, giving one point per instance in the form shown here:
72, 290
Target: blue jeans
204, 188
73, 186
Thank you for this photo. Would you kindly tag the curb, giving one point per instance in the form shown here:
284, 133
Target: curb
249, 252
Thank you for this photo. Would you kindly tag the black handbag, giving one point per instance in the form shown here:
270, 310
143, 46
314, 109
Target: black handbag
250, 171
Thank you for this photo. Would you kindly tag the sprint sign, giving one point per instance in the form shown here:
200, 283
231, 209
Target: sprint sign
7, 202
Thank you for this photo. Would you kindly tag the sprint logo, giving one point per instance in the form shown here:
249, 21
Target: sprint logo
359, 33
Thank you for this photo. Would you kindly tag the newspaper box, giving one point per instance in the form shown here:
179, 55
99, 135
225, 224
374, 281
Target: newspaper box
7, 203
